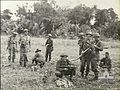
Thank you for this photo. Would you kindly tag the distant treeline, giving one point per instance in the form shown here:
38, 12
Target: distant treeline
48, 17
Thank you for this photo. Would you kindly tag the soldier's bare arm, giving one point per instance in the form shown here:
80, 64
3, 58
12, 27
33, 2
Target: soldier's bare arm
99, 46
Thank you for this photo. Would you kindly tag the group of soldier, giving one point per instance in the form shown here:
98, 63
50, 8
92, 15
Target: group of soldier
25, 44
90, 46
90, 42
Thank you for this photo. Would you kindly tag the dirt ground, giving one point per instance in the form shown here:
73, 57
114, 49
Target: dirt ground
14, 77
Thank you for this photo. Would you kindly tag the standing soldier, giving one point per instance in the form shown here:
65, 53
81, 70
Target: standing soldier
12, 46
24, 47
98, 47
49, 47
87, 56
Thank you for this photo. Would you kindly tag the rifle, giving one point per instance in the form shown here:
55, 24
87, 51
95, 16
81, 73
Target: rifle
81, 54
84, 51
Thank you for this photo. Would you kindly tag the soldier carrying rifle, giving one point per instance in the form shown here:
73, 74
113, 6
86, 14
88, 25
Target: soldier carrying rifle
87, 55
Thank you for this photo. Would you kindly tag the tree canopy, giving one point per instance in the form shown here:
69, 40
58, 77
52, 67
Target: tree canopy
48, 17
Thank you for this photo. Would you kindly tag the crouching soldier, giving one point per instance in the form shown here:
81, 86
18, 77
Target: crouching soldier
12, 46
65, 67
38, 58
106, 62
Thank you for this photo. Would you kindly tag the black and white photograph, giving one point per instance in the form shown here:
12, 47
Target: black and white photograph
60, 45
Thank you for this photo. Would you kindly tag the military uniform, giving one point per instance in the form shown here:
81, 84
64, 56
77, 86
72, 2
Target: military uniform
24, 47
87, 56
81, 40
105, 63
94, 63
49, 48
65, 67
12, 46
38, 58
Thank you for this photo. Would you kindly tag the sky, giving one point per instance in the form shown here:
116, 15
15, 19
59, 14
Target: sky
101, 4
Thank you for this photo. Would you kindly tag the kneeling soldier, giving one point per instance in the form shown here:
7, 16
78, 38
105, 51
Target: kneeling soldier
65, 67
38, 58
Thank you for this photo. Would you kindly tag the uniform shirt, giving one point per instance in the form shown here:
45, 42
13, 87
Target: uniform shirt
85, 45
98, 48
24, 40
62, 64
12, 42
49, 43
80, 42
105, 62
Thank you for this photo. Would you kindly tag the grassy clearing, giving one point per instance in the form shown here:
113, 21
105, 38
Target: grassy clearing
15, 77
